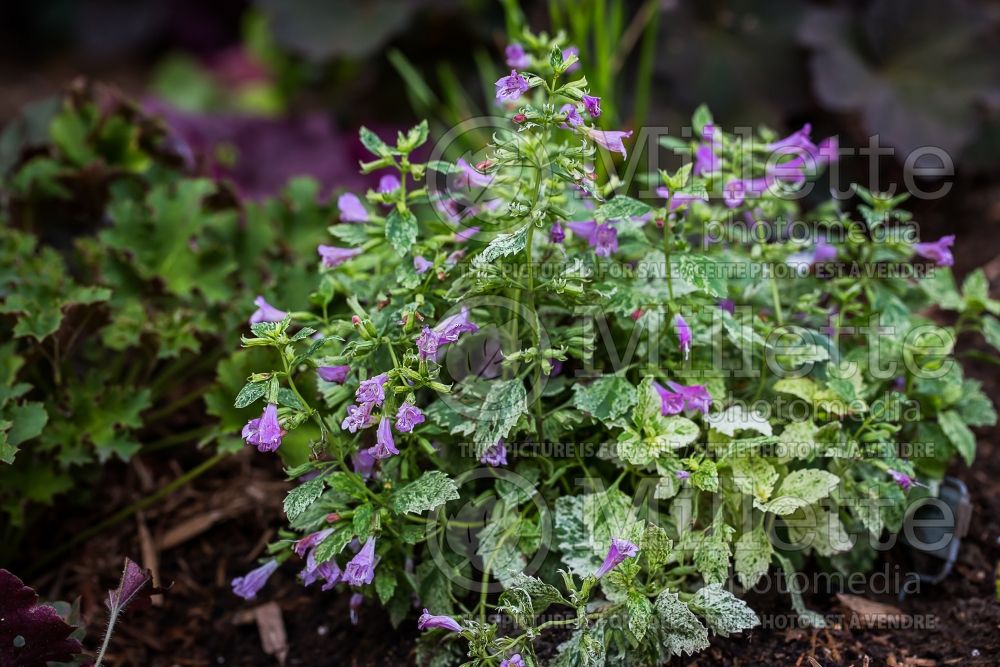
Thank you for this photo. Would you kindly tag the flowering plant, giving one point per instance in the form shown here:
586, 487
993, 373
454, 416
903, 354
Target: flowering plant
536, 404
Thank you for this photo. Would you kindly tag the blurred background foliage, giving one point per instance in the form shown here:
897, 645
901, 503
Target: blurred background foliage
239, 80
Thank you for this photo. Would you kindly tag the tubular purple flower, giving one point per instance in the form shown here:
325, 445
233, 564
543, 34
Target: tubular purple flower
682, 475
333, 256
450, 328
904, 480
469, 177
428, 621
463, 235
696, 396
672, 403
372, 390
310, 541
384, 447
511, 87
680, 198
608, 140
265, 432
250, 584
351, 209
796, 140
388, 183
556, 233
266, 312
421, 264
513, 661
363, 463
427, 344
355, 604
516, 56
361, 569
573, 117
359, 416
593, 105
603, 238
495, 455
619, 551
728, 305
333, 373
683, 333
937, 251
407, 417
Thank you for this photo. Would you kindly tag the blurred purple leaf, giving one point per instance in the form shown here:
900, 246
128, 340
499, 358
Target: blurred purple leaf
31, 634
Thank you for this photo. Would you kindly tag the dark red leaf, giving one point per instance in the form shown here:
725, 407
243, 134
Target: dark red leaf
31, 634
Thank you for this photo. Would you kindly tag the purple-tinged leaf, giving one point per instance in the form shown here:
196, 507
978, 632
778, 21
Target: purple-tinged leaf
30, 633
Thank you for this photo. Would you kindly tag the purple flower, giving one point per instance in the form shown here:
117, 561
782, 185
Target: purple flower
696, 396
513, 661
250, 584
388, 183
384, 447
593, 105
511, 87
556, 233
571, 51
363, 463
682, 475
428, 620
464, 235
407, 417
427, 344
358, 417
728, 305
334, 256
265, 432
573, 117
421, 265
450, 328
329, 572
821, 252
705, 159
680, 198
333, 373
351, 209
608, 140
310, 541
672, 402
495, 455
470, 176
619, 551
736, 191
683, 333
355, 604
797, 141
266, 312
904, 480
938, 251
603, 238
361, 569
372, 390
516, 57
824, 252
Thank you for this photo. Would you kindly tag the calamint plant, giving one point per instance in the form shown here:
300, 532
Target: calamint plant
538, 407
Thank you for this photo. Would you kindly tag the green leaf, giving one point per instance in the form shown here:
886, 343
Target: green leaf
803, 388
702, 117
725, 613
334, 544
754, 476
542, 594
640, 613
251, 392
401, 229
498, 546
680, 632
808, 617
737, 418
28, 421
504, 404
415, 137
605, 399
752, 556
976, 407
657, 547
433, 488
818, 529
621, 208
991, 331
373, 143
701, 272
502, 245
385, 584
801, 488
711, 555
959, 434
517, 603
300, 498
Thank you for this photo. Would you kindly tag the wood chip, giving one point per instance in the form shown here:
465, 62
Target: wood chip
271, 627
150, 555
867, 613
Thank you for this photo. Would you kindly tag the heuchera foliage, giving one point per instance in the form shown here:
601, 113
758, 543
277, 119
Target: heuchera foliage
487, 448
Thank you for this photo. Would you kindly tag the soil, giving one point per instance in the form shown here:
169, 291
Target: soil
213, 529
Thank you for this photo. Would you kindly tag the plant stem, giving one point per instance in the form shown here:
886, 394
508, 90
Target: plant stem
112, 619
